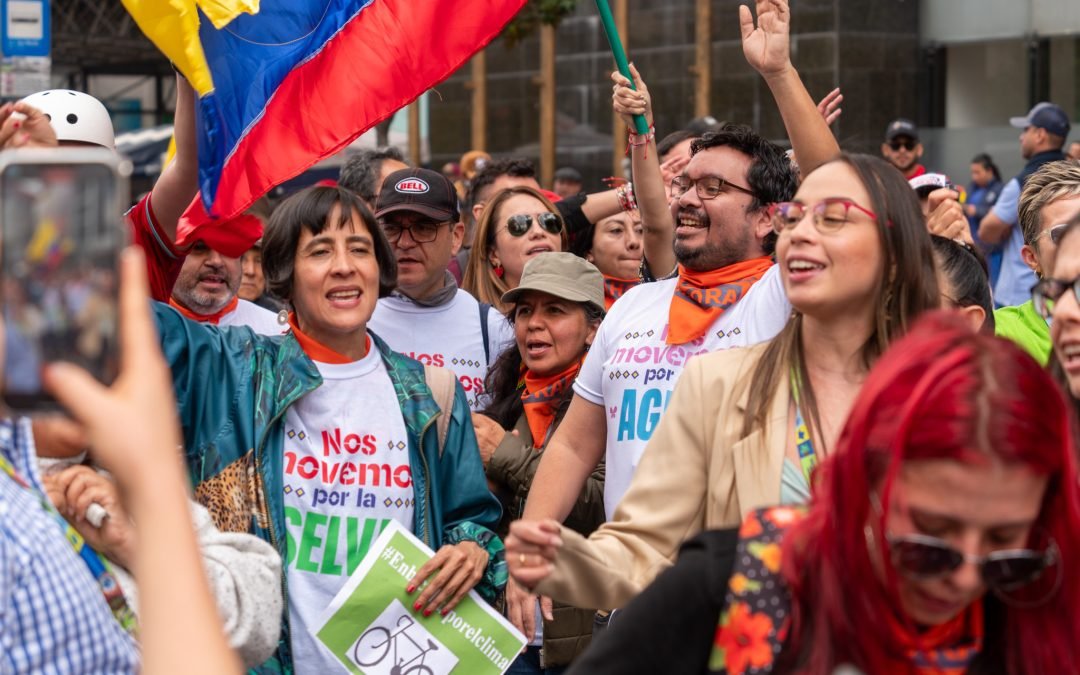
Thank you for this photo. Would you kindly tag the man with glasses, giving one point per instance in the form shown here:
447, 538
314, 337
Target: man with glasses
1051, 198
727, 294
1044, 131
903, 149
427, 316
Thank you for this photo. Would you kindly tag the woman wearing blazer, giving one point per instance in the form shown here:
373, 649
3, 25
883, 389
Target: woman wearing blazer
746, 427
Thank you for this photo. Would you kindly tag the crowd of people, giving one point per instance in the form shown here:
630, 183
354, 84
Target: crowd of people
749, 409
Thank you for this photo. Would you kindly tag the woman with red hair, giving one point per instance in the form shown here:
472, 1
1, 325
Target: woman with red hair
938, 540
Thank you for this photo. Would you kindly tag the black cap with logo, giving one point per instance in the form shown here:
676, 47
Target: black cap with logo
420, 191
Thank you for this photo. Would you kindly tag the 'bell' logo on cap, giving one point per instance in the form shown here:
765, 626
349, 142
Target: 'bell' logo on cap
413, 185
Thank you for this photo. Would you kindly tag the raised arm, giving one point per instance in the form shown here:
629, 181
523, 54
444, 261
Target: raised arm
767, 47
648, 183
179, 182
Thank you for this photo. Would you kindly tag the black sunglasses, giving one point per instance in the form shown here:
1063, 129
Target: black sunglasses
906, 145
920, 557
519, 224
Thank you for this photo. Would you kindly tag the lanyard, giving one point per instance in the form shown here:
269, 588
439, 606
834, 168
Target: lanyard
114, 596
803, 443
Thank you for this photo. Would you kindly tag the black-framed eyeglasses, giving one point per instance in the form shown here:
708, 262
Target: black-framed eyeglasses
519, 224
920, 557
1046, 293
1055, 232
708, 187
829, 214
422, 232
899, 145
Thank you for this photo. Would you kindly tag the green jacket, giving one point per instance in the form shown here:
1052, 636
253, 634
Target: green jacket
1023, 325
233, 388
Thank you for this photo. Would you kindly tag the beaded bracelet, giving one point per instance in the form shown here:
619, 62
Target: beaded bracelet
627, 199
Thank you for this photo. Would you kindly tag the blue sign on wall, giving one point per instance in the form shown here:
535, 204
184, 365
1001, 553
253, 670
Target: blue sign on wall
24, 28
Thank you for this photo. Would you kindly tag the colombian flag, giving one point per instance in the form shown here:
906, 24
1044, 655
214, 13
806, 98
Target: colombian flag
282, 84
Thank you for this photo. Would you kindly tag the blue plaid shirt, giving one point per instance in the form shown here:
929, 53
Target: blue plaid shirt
53, 617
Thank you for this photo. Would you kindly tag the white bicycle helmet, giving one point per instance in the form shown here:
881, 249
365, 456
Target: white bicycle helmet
75, 116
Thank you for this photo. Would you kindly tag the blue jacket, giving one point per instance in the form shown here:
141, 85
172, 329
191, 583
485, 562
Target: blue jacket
233, 388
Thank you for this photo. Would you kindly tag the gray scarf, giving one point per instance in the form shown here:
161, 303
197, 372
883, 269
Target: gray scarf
439, 298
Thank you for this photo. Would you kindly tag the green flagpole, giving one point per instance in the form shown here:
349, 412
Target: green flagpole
640, 124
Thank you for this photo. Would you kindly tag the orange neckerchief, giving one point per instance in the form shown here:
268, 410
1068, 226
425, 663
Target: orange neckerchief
947, 649
205, 318
317, 351
540, 397
614, 287
702, 297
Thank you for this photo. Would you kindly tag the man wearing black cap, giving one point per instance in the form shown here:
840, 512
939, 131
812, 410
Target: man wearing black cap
428, 317
902, 148
1045, 128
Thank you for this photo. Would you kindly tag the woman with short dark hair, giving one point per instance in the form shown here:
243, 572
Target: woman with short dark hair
315, 440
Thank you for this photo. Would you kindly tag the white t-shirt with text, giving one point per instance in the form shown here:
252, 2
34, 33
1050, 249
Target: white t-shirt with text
448, 336
346, 474
631, 371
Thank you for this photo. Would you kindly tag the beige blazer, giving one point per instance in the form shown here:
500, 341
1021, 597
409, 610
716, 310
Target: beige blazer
698, 472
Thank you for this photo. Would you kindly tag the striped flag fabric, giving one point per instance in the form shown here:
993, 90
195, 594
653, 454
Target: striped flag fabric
283, 84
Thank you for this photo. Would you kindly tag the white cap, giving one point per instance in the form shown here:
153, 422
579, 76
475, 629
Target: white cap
75, 116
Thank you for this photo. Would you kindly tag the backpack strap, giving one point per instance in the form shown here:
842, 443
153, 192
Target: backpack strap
443, 386
484, 309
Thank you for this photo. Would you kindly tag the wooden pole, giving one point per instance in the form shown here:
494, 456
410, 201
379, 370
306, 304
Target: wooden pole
702, 68
414, 133
478, 85
547, 105
619, 128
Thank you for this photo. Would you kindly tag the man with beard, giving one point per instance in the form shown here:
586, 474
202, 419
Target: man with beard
206, 291
727, 294
903, 149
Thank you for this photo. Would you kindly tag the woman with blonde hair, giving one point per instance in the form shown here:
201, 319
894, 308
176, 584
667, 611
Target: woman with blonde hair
518, 224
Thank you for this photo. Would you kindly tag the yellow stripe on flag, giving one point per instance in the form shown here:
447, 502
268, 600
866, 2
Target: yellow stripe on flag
221, 12
173, 26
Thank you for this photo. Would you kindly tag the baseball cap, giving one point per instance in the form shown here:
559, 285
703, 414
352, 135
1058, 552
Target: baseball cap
568, 174
928, 182
420, 191
1044, 115
563, 275
901, 127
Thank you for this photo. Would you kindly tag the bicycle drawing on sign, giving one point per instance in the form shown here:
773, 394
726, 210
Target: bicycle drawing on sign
395, 644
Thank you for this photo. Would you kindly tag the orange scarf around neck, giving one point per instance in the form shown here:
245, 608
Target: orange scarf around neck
947, 649
317, 351
212, 319
702, 297
541, 398
614, 288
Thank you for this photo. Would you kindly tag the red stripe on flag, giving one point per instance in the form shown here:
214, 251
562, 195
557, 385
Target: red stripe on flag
382, 60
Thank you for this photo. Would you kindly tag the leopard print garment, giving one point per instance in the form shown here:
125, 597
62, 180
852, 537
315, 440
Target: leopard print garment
235, 496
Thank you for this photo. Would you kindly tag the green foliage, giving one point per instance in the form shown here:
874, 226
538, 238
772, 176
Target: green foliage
534, 14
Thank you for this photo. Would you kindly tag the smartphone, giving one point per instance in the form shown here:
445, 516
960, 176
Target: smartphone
61, 234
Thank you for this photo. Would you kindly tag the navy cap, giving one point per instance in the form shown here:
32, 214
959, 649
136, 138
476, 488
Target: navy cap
1047, 116
901, 127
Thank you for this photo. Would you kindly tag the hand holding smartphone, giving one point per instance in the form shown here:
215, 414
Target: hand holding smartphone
61, 233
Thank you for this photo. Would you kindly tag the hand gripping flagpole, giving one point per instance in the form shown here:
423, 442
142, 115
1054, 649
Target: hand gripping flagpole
641, 125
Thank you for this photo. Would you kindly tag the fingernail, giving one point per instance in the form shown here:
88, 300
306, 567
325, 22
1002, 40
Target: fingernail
17, 124
410, 589
444, 612
427, 612
417, 606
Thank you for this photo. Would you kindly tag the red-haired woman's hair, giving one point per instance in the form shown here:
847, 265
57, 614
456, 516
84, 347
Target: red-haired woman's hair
942, 392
